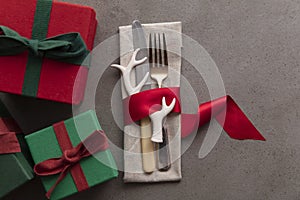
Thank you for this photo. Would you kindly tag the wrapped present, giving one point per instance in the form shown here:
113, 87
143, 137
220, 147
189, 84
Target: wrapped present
44, 48
72, 155
15, 168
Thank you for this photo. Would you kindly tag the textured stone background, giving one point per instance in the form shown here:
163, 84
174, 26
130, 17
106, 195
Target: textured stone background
256, 45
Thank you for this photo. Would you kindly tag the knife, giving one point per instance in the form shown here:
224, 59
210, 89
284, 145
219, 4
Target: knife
139, 41
210, 140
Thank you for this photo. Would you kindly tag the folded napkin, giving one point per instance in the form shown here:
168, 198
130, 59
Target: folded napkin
133, 167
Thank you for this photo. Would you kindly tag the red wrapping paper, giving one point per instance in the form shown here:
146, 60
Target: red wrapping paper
58, 81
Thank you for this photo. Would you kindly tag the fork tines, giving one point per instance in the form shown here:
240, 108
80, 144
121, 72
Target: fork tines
158, 56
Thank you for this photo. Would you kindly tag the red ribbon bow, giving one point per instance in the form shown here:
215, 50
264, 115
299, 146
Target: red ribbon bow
8, 140
96, 142
224, 110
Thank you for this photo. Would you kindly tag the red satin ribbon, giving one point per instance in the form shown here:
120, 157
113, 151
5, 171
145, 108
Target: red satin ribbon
224, 110
8, 140
142, 104
65, 144
69, 161
9, 143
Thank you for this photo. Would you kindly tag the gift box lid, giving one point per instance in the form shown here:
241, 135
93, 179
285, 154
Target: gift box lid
97, 168
53, 80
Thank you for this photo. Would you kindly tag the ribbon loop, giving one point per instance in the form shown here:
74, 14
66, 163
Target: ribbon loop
69, 47
71, 156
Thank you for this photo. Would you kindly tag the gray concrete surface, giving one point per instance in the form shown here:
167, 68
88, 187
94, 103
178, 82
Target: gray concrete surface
256, 45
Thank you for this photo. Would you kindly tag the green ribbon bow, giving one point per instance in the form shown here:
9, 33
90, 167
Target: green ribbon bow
69, 48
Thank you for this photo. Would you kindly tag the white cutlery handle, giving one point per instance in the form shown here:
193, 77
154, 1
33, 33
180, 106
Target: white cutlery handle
157, 120
157, 128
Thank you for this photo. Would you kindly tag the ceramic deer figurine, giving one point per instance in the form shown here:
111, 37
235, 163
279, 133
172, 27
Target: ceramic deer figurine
126, 71
157, 119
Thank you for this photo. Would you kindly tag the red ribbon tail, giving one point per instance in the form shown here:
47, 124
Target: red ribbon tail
60, 178
236, 123
228, 115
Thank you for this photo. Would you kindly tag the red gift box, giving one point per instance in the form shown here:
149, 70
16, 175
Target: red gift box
58, 81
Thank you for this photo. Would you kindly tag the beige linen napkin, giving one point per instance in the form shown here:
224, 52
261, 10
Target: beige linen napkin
133, 169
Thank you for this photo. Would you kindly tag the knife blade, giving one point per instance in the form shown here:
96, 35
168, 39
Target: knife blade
210, 140
139, 41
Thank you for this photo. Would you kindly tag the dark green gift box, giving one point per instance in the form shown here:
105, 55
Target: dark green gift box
15, 168
96, 168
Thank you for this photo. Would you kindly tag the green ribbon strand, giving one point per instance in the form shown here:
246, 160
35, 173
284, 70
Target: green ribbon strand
69, 48
39, 32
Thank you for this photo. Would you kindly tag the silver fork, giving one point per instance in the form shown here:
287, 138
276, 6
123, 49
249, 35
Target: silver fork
158, 59
159, 66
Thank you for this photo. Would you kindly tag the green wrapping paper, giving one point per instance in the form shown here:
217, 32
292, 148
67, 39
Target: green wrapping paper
97, 168
15, 167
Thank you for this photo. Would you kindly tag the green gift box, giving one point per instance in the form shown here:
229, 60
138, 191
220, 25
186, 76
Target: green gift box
49, 144
15, 166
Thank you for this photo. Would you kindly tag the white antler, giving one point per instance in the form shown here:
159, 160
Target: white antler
126, 71
157, 119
